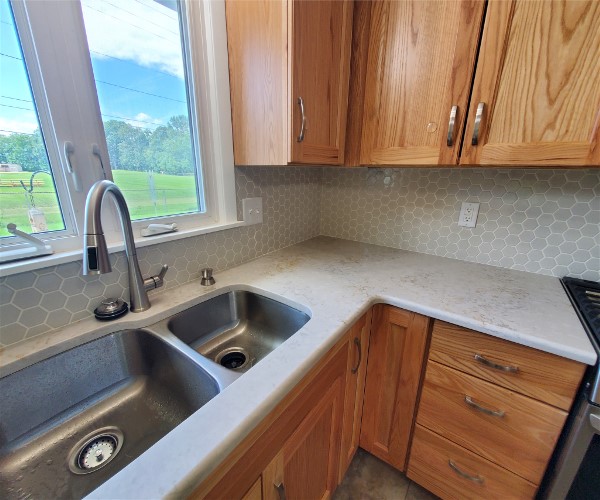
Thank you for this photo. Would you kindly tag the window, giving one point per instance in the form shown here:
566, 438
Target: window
97, 89
28, 195
140, 77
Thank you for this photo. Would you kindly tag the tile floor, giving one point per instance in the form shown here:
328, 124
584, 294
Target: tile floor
368, 478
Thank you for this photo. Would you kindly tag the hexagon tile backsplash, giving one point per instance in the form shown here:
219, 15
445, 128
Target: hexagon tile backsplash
36, 302
542, 221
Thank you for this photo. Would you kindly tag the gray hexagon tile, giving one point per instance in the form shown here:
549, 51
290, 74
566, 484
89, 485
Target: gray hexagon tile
542, 221
37, 302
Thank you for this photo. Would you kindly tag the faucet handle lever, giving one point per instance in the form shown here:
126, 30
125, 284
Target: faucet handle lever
156, 281
163, 271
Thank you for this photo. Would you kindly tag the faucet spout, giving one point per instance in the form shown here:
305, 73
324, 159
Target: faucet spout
95, 252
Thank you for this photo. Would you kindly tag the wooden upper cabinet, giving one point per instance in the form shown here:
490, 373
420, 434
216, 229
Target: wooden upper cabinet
538, 79
320, 40
420, 64
257, 48
281, 51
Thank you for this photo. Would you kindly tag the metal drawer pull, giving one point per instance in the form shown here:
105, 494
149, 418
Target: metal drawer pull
281, 490
451, 123
490, 364
483, 409
475, 479
303, 124
358, 346
478, 118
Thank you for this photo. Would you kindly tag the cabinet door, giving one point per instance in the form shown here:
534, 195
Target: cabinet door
255, 491
257, 48
356, 371
396, 354
420, 63
537, 85
320, 37
303, 430
307, 465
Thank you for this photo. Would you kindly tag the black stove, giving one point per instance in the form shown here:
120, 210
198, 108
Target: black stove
574, 471
585, 296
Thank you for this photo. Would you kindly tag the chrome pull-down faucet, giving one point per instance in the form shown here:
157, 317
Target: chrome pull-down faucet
95, 252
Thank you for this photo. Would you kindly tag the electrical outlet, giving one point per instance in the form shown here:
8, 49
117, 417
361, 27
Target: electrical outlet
468, 214
253, 212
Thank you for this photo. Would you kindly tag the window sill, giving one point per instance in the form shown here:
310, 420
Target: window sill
22, 266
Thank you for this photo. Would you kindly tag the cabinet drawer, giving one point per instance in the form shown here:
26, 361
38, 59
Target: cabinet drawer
549, 378
519, 437
429, 466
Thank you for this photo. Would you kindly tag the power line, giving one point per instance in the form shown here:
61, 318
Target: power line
154, 9
12, 57
14, 98
145, 20
15, 107
131, 63
140, 91
132, 120
130, 24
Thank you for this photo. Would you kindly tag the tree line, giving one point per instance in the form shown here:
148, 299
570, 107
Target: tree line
166, 149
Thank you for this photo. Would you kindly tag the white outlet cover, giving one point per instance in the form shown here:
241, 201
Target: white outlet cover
468, 214
253, 211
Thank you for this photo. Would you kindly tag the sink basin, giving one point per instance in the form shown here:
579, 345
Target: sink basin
73, 420
237, 329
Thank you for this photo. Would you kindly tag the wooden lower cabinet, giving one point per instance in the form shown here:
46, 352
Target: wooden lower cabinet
472, 428
306, 467
490, 414
296, 450
356, 371
514, 431
396, 353
536, 374
450, 471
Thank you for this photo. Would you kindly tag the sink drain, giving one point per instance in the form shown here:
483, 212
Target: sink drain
95, 450
234, 358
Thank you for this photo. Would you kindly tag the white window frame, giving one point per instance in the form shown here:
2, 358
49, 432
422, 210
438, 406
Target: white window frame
53, 38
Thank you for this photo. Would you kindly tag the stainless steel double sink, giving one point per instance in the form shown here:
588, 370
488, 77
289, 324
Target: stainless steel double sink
71, 421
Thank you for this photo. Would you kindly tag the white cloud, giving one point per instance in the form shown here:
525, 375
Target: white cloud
23, 126
147, 118
141, 31
144, 120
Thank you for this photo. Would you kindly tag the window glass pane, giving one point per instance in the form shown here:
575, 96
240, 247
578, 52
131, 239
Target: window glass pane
141, 83
27, 191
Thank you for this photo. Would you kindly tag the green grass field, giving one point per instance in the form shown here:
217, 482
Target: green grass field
173, 194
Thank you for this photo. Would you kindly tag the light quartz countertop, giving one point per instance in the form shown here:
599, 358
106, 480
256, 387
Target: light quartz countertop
335, 281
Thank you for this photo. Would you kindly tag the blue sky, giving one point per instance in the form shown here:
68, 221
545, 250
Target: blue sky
136, 55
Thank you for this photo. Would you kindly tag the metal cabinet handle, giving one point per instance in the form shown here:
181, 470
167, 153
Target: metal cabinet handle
281, 490
490, 364
478, 118
303, 124
455, 468
483, 409
451, 124
359, 348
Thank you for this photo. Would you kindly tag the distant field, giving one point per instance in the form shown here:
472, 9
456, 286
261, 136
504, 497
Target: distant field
172, 194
